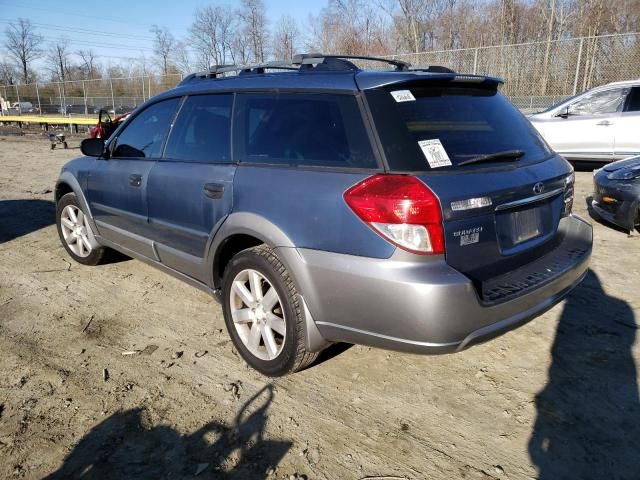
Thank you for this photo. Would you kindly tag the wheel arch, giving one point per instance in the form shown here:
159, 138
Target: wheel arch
68, 183
241, 231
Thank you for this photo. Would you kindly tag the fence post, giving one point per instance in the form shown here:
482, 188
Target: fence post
142, 78
149, 89
475, 62
38, 97
84, 94
18, 97
62, 109
575, 79
113, 102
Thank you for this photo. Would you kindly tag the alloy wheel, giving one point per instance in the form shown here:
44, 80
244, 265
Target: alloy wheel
75, 230
257, 314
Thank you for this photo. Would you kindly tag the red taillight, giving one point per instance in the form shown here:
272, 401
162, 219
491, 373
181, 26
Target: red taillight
400, 208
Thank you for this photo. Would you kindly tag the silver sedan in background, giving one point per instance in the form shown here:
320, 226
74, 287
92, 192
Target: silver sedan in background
601, 124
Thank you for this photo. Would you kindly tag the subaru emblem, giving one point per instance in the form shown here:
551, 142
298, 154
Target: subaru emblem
538, 188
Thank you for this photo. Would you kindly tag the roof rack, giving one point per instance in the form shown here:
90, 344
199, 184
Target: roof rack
216, 71
262, 67
320, 58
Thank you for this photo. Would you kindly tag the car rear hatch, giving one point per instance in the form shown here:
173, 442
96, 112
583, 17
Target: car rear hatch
502, 191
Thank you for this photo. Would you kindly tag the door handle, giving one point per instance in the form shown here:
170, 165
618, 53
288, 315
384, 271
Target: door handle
135, 180
213, 190
604, 123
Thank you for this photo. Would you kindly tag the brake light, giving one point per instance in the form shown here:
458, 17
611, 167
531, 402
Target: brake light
400, 208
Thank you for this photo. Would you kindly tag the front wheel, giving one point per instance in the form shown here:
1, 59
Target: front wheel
75, 232
262, 313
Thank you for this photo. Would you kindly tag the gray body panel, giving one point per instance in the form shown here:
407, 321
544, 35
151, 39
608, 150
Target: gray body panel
426, 306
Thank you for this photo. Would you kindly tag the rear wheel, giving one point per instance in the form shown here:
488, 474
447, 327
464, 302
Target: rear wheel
75, 232
262, 313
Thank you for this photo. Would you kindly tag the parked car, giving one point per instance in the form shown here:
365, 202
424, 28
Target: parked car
409, 209
117, 110
601, 124
79, 109
22, 107
106, 126
616, 196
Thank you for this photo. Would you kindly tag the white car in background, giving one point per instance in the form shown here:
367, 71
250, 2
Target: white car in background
601, 124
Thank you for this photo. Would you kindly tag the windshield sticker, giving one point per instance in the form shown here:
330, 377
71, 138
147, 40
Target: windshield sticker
435, 153
403, 96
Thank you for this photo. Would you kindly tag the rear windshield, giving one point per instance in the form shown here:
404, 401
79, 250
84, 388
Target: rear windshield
436, 127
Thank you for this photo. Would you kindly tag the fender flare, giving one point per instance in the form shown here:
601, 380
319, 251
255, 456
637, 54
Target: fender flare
243, 223
69, 179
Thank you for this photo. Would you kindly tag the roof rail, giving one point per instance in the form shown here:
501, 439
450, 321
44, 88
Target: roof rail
318, 58
262, 67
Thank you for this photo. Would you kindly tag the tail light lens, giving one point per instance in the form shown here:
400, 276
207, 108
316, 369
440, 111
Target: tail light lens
400, 208
568, 194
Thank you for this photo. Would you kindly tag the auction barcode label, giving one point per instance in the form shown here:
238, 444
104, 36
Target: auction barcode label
435, 153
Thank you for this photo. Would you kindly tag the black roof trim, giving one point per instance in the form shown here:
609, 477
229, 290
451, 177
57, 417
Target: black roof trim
319, 58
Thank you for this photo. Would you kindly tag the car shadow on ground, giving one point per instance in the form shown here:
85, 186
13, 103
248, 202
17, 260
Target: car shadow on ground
24, 216
588, 414
125, 446
21, 217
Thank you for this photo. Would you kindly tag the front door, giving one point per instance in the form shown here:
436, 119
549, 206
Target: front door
117, 187
190, 189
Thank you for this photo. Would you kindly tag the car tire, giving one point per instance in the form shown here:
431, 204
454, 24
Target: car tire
277, 324
74, 233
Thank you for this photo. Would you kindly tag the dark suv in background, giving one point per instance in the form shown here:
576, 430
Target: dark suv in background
412, 208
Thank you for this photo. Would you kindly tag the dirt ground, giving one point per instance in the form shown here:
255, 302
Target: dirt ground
555, 399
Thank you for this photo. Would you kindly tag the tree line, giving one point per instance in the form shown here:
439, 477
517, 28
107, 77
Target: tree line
222, 34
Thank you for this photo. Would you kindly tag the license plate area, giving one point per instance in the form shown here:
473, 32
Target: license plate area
525, 225
522, 227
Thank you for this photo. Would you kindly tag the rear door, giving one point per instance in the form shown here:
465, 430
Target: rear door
588, 129
627, 129
117, 187
497, 214
190, 189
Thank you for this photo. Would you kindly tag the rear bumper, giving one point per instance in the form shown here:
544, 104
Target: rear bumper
417, 303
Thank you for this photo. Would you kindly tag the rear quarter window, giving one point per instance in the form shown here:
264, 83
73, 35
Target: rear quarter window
468, 121
302, 129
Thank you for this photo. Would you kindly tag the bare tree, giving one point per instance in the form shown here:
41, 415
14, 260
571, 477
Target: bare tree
163, 46
58, 59
212, 33
88, 64
182, 58
285, 38
8, 73
254, 22
23, 44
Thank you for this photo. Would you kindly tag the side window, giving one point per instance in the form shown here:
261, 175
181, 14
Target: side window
202, 131
144, 135
596, 103
302, 129
633, 100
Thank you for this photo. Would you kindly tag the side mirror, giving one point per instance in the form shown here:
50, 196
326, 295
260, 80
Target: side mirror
93, 147
564, 113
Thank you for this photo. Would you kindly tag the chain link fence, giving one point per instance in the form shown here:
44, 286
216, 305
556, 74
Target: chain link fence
537, 75
540, 74
84, 97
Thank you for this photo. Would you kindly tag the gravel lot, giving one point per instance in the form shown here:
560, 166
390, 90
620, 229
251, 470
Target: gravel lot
555, 399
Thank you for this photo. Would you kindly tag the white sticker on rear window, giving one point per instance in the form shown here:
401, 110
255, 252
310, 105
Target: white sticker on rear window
435, 153
403, 96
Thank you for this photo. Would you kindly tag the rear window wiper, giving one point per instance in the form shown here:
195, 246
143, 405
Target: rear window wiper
506, 155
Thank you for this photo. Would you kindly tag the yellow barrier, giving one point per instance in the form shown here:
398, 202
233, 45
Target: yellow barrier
51, 120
